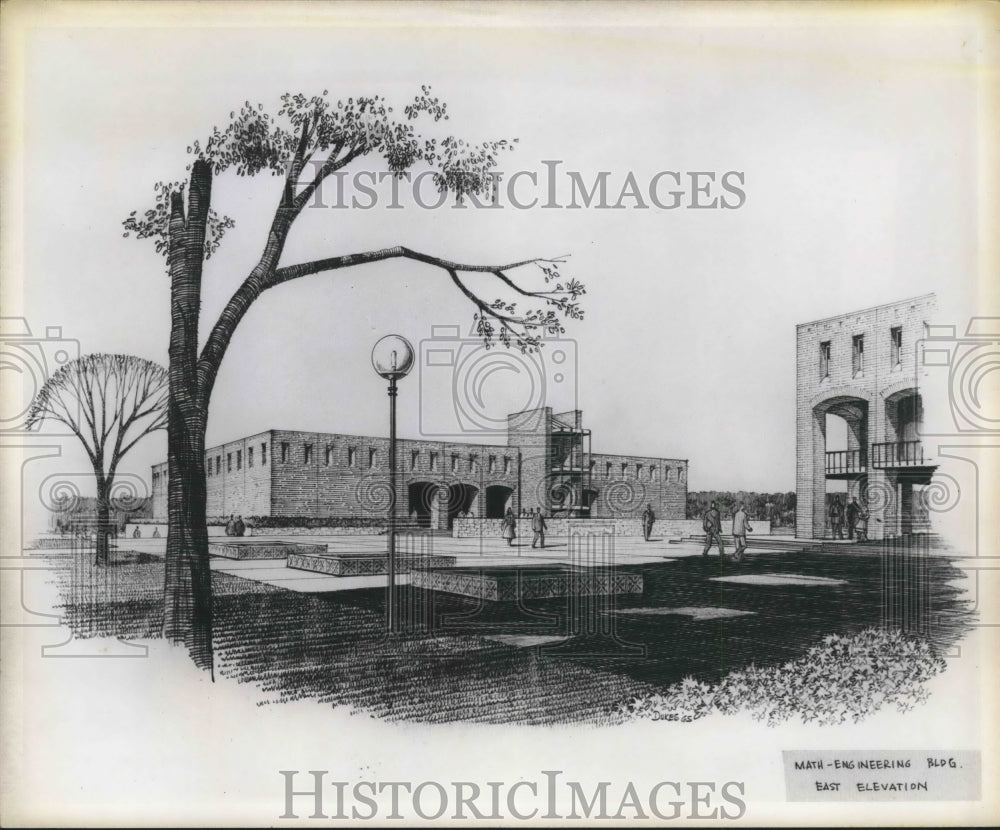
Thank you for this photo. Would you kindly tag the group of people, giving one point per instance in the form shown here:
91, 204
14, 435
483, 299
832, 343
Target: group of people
855, 516
712, 525
508, 527
235, 526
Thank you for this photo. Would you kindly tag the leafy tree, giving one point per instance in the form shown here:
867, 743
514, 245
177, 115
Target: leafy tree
110, 402
305, 142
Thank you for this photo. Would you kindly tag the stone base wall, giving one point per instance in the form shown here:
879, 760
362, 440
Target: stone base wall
215, 531
663, 528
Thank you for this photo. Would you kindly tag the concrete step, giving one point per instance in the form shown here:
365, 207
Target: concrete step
760, 542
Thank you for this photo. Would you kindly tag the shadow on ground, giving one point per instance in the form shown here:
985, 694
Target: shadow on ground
537, 661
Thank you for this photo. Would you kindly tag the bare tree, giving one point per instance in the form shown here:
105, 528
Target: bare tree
307, 141
110, 402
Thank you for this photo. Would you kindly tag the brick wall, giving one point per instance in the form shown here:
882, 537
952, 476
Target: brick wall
290, 473
239, 480
625, 484
348, 475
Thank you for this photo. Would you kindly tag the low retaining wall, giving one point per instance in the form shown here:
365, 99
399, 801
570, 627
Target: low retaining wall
243, 549
315, 531
215, 531
363, 565
662, 528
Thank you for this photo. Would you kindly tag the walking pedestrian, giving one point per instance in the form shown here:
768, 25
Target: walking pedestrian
509, 530
712, 524
538, 526
862, 523
741, 526
837, 518
852, 512
648, 517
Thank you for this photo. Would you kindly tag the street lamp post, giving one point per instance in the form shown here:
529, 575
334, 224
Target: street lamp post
392, 358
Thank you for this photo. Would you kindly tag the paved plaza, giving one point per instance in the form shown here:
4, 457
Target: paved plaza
468, 552
539, 659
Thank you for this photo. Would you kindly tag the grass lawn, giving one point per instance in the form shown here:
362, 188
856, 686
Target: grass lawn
460, 659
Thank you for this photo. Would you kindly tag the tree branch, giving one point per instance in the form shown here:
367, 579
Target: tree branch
261, 279
317, 266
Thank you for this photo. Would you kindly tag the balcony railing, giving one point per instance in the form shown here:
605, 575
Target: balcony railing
844, 462
898, 454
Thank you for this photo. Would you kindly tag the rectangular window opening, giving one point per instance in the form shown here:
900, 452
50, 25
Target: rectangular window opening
896, 334
824, 359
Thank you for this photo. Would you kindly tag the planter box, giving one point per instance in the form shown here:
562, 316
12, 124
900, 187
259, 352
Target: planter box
251, 549
510, 585
361, 564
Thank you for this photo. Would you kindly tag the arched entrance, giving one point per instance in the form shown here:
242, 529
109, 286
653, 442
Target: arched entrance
498, 499
901, 456
461, 499
423, 503
840, 457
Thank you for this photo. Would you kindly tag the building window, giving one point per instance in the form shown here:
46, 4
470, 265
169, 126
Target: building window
229, 462
434, 461
249, 456
624, 470
239, 459
638, 470
372, 457
473, 461
896, 333
607, 470
506, 466
858, 353
824, 359
652, 472
493, 464
284, 452
218, 464
263, 455
307, 453
352, 454
454, 462
414, 458
328, 457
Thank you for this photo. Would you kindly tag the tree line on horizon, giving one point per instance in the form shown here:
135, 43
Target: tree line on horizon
779, 508
84, 511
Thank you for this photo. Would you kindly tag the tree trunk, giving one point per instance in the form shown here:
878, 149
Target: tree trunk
103, 519
188, 580
187, 589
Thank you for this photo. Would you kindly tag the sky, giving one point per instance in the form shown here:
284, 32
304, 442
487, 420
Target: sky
856, 143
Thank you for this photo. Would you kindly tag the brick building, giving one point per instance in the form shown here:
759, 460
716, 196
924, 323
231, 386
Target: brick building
546, 463
858, 417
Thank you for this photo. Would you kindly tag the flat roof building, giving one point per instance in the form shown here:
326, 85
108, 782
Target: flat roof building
546, 463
